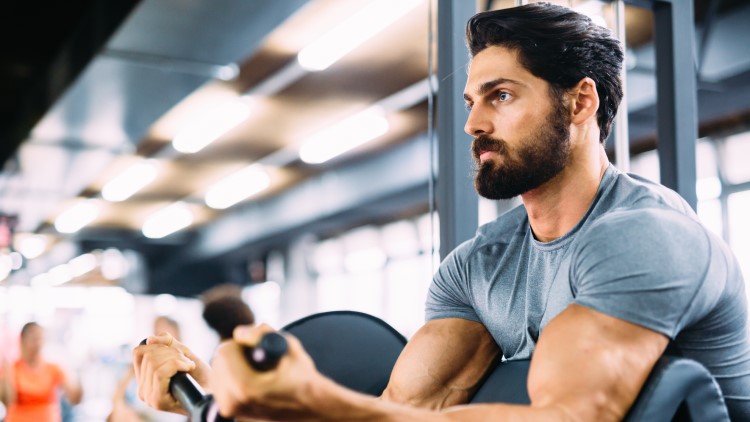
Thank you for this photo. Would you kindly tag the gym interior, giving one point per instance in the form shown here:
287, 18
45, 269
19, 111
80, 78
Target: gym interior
310, 154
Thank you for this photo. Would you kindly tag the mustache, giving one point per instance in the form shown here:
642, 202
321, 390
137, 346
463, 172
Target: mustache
487, 143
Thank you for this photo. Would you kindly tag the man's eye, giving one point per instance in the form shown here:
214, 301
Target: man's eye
467, 106
503, 96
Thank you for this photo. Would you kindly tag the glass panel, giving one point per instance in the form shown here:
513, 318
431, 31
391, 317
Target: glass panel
739, 228
705, 160
709, 212
646, 165
734, 155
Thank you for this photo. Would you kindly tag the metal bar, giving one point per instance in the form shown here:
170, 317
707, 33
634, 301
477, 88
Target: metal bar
457, 201
676, 96
622, 138
708, 27
224, 72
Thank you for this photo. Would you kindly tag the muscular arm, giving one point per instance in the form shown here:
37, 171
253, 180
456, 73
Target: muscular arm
442, 364
588, 366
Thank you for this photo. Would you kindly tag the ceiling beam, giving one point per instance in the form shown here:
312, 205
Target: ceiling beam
96, 26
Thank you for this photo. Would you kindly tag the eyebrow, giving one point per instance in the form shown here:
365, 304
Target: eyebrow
490, 85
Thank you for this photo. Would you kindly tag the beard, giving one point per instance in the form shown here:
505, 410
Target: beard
540, 157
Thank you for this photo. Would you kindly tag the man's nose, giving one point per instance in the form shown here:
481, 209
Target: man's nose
477, 124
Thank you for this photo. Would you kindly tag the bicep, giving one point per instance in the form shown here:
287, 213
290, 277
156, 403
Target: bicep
592, 365
443, 364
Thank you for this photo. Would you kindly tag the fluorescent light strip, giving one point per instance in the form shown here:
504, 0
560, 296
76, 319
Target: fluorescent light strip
344, 136
238, 186
82, 264
344, 38
77, 216
60, 274
209, 126
167, 221
130, 181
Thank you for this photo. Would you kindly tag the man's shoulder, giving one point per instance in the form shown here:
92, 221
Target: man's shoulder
500, 231
633, 191
503, 228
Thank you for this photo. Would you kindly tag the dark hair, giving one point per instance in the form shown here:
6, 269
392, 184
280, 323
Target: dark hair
558, 45
224, 313
27, 327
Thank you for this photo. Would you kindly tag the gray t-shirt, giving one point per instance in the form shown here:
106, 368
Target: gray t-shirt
638, 254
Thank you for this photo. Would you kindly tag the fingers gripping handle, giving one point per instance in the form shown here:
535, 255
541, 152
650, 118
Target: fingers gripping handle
267, 353
200, 406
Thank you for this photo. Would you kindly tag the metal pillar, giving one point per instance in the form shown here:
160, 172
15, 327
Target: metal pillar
457, 201
622, 138
676, 96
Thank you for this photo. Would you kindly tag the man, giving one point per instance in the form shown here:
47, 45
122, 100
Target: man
592, 278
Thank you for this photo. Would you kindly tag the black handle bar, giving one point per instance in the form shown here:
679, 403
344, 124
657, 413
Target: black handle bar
199, 405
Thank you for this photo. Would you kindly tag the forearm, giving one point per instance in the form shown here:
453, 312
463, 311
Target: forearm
74, 394
336, 403
7, 392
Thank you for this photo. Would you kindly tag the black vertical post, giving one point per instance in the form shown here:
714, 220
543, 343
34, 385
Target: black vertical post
457, 201
676, 96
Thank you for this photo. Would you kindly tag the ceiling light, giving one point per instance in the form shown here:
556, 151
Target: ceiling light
344, 38
238, 186
16, 260
60, 274
168, 220
6, 266
82, 264
114, 264
130, 181
344, 136
32, 246
41, 280
77, 216
209, 126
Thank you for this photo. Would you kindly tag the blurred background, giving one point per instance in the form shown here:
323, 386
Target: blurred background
153, 149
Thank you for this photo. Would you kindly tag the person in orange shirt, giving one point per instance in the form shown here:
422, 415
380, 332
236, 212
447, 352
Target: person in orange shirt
29, 388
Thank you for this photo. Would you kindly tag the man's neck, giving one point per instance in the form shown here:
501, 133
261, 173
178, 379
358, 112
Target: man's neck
557, 206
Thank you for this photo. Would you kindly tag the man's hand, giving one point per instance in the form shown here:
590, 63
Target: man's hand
284, 393
156, 362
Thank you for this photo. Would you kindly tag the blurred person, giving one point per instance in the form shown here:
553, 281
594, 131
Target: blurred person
224, 309
29, 388
126, 407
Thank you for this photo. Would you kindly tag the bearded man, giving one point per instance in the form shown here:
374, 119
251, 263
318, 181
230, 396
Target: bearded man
593, 277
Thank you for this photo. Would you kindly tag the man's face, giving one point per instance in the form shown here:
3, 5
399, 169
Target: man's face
521, 138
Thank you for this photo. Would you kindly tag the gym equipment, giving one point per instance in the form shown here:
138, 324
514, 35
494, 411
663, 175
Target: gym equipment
678, 390
355, 349
201, 406
358, 351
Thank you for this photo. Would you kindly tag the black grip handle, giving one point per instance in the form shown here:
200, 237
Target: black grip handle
200, 406
267, 353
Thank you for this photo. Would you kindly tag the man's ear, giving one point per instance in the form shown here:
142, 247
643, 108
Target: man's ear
584, 101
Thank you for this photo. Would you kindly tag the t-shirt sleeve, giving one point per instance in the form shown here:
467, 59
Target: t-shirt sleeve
449, 293
648, 267
58, 376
